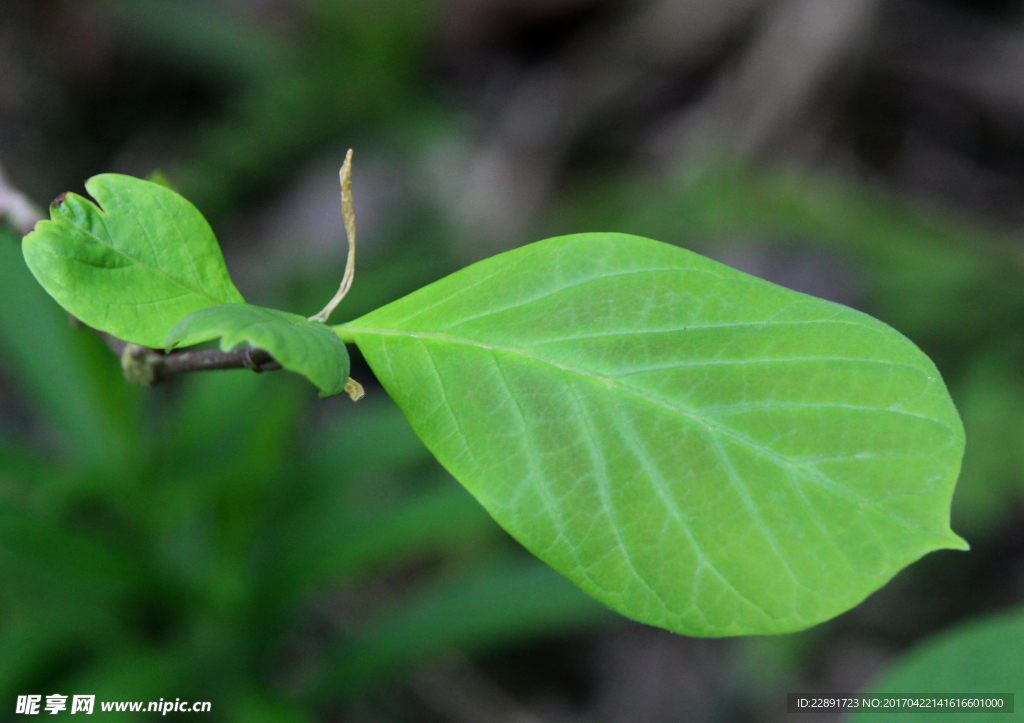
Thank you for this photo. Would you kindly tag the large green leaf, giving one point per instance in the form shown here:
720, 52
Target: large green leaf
299, 345
979, 659
133, 269
697, 448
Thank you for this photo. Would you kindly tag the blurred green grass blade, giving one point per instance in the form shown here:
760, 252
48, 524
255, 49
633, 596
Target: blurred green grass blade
19, 463
257, 708
372, 436
500, 603
225, 459
207, 37
330, 542
45, 647
67, 373
432, 521
983, 656
135, 672
62, 580
233, 424
52, 553
990, 396
347, 519
358, 67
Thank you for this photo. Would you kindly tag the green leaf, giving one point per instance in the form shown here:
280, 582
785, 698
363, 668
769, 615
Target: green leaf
133, 269
979, 658
697, 448
299, 345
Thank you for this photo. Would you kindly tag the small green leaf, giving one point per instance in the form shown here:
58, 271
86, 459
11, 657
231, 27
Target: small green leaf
977, 660
697, 448
134, 268
310, 349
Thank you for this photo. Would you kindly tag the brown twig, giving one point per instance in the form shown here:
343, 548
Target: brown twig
146, 366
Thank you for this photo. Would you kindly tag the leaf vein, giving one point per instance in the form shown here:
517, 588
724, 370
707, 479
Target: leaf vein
561, 289
609, 383
154, 269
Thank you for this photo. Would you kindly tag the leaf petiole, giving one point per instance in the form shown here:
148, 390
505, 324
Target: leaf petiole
349, 214
346, 336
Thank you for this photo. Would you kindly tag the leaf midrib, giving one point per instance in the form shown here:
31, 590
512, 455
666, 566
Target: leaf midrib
611, 383
704, 560
141, 263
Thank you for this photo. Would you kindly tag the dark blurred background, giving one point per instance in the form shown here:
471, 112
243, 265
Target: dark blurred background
227, 537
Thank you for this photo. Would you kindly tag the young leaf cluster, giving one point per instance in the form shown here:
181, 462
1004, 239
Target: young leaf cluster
139, 265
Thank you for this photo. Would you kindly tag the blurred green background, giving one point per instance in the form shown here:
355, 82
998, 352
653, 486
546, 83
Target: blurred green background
227, 537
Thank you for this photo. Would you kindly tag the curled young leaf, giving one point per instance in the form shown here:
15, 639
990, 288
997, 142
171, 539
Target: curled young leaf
133, 266
308, 348
697, 448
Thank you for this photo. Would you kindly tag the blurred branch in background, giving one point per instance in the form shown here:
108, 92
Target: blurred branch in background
15, 208
801, 46
542, 115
